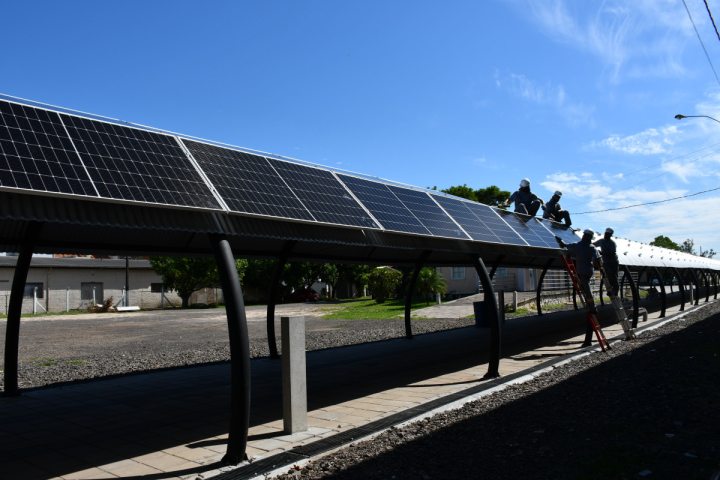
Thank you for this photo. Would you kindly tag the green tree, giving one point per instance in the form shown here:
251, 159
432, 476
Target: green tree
383, 282
491, 195
665, 242
188, 274
430, 282
688, 246
462, 191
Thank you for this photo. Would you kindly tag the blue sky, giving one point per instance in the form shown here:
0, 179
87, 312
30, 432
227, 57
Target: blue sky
576, 95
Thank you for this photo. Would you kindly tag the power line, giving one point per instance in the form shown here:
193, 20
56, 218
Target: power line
707, 7
648, 203
701, 42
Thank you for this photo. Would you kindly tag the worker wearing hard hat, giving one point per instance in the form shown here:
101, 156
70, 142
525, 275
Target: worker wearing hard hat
553, 211
608, 250
526, 202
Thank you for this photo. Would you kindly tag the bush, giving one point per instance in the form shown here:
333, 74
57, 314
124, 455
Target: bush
383, 282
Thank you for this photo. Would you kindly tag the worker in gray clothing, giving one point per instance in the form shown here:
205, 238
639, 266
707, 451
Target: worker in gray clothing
608, 251
553, 211
526, 202
586, 259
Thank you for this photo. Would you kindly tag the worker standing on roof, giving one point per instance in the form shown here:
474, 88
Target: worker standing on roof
526, 202
553, 211
608, 250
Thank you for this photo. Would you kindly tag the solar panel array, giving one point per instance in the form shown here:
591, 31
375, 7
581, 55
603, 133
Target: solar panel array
52, 152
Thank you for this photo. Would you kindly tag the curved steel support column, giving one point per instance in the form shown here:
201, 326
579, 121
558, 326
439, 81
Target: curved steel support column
274, 296
12, 332
635, 295
574, 296
495, 326
681, 287
239, 352
706, 280
495, 266
409, 293
663, 298
538, 290
715, 284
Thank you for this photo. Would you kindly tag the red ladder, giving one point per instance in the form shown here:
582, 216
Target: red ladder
587, 301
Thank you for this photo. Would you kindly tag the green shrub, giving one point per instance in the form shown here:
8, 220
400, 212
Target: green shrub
383, 282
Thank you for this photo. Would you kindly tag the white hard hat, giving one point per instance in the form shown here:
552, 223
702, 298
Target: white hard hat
587, 231
609, 230
525, 182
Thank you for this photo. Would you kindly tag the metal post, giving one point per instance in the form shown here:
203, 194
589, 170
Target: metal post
239, 351
707, 285
294, 378
12, 331
635, 295
715, 285
681, 287
409, 292
492, 311
162, 296
696, 289
127, 281
538, 290
663, 300
67, 299
34, 306
275, 287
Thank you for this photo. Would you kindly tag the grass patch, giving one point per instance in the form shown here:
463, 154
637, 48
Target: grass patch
369, 309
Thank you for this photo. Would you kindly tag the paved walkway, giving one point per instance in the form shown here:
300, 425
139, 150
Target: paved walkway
173, 424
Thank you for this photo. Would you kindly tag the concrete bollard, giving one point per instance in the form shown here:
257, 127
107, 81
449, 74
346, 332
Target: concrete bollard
294, 379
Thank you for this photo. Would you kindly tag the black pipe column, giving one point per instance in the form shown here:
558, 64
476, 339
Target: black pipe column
275, 287
715, 284
239, 352
696, 286
491, 308
706, 280
635, 295
538, 291
663, 298
410, 289
17, 291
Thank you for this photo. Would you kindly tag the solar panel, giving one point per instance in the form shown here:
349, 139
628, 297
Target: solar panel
428, 212
479, 221
323, 195
384, 205
37, 154
530, 229
247, 182
132, 164
560, 230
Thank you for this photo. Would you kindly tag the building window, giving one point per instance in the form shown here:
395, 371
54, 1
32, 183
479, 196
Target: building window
157, 287
30, 289
501, 272
88, 288
457, 273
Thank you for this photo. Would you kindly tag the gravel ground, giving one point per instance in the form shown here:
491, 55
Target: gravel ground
648, 409
62, 349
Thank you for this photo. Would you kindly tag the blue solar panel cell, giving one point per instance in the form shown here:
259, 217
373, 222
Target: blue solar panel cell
384, 205
560, 230
323, 195
530, 229
428, 212
138, 165
479, 221
247, 183
37, 154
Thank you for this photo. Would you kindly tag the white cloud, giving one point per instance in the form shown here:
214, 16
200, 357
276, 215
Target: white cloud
546, 95
652, 141
644, 34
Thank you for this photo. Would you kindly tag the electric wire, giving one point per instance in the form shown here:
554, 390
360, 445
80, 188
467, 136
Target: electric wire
649, 203
702, 44
707, 7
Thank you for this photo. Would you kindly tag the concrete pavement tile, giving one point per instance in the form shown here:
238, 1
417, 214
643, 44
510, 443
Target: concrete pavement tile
129, 467
89, 473
198, 454
165, 461
269, 444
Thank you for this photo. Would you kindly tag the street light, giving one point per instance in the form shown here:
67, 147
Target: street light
680, 116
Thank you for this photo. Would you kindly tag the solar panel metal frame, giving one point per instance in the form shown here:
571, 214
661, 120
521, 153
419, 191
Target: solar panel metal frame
396, 190
529, 224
